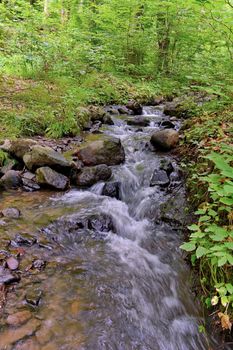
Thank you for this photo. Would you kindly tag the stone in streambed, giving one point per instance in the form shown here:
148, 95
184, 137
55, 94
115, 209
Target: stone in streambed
135, 107
112, 189
45, 156
159, 178
100, 223
11, 180
33, 297
18, 318
12, 263
45, 176
167, 124
11, 336
6, 277
91, 175
12, 213
165, 140
167, 166
107, 150
139, 121
18, 148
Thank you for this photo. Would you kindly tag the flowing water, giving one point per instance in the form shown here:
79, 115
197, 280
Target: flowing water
126, 288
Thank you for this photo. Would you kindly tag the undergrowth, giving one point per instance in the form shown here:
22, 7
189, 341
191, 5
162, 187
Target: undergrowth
210, 186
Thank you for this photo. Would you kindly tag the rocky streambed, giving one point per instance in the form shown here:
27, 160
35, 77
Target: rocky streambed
90, 240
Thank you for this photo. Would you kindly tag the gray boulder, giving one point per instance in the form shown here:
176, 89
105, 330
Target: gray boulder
112, 189
165, 140
45, 156
45, 176
107, 150
159, 178
12, 213
18, 148
135, 107
91, 175
139, 121
11, 180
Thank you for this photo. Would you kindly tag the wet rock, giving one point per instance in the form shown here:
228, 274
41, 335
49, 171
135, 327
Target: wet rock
45, 176
178, 107
175, 177
45, 156
139, 130
11, 336
29, 182
100, 223
159, 178
139, 121
76, 164
29, 344
18, 148
135, 107
33, 297
23, 240
165, 140
157, 101
12, 213
6, 277
11, 180
39, 264
107, 150
91, 175
173, 210
167, 166
12, 263
80, 229
96, 113
124, 110
167, 124
108, 120
18, 318
30, 185
112, 110
112, 189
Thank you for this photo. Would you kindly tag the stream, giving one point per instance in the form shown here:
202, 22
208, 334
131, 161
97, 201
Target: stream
118, 282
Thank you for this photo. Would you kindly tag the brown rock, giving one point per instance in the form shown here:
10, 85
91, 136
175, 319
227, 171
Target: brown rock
11, 336
18, 318
165, 140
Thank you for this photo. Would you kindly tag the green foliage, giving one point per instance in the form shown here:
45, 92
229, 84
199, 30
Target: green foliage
3, 158
211, 239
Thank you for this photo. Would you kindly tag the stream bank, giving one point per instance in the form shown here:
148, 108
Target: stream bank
105, 272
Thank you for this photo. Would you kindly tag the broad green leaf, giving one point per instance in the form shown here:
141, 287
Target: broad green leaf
224, 301
222, 261
201, 251
230, 259
227, 201
204, 218
194, 228
229, 288
188, 247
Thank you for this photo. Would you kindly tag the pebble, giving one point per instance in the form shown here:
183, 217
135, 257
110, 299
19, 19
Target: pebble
12, 263
12, 213
6, 277
39, 264
33, 297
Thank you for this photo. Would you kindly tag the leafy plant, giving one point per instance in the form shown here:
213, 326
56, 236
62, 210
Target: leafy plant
211, 239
